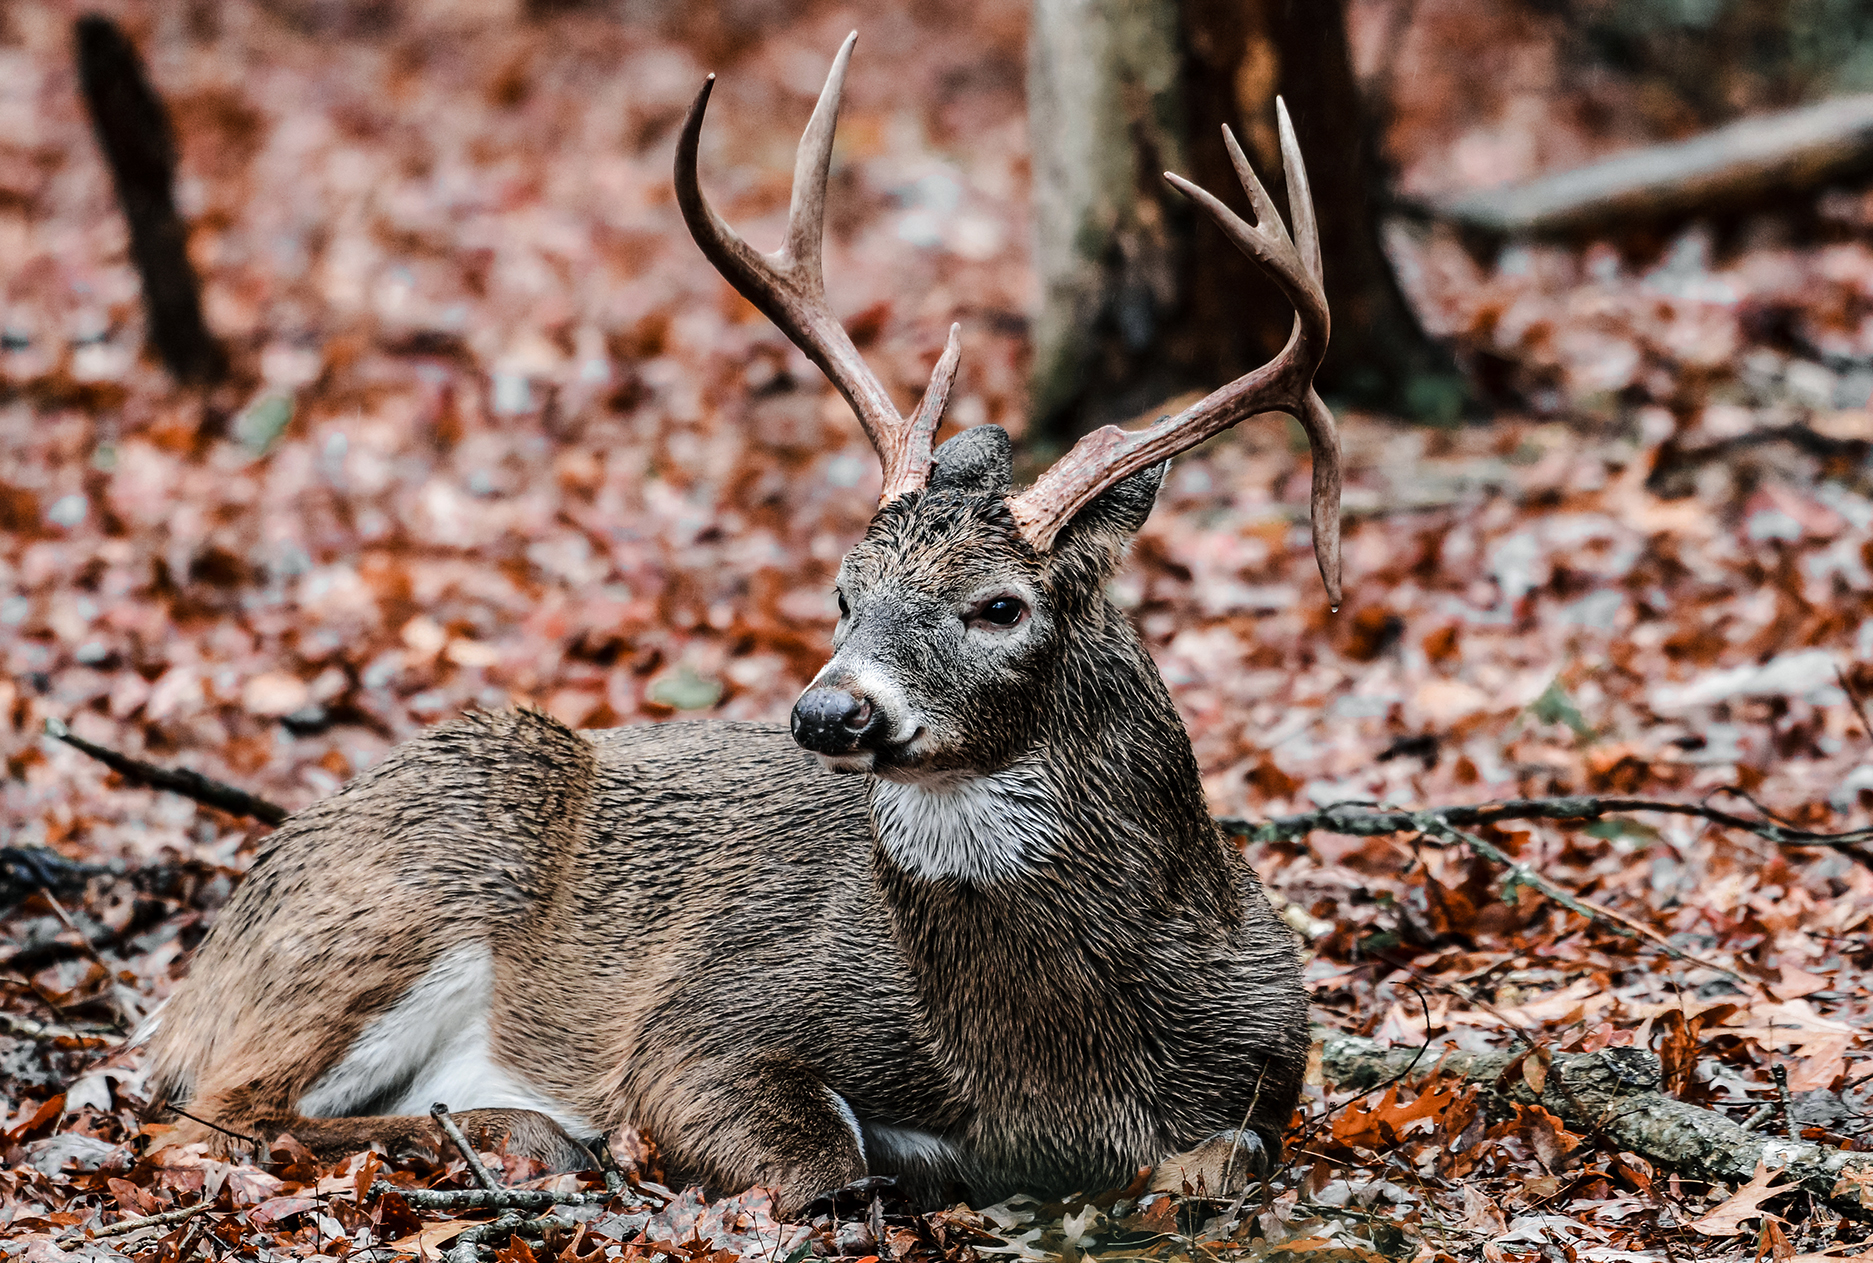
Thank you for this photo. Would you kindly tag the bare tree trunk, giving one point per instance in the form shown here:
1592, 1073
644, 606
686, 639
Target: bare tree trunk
133, 131
1142, 299
1105, 115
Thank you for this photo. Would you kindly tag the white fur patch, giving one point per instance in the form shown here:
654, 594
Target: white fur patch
850, 1119
978, 829
433, 1046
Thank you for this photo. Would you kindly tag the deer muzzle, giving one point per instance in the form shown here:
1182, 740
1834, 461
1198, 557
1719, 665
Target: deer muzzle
836, 721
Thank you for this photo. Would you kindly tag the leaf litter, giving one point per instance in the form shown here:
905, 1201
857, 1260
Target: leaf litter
496, 434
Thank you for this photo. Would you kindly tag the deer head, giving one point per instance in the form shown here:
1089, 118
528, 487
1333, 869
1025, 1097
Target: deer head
968, 613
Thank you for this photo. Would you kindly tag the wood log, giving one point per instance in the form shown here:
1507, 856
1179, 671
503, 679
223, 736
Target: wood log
1747, 162
1614, 1095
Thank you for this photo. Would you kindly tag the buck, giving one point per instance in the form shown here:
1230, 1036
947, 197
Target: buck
970, 924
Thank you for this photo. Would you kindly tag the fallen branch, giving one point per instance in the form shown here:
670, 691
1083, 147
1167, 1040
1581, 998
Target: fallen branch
1358, 820
487, 1198
1614, 1094
123, 1226
467, 1247
48, 1032
25, 869
189, 784
1364, 821
1780, 153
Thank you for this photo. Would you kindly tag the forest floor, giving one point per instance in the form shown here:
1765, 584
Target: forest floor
497, 434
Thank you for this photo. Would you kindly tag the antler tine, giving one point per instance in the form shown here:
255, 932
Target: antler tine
812, 166
1284, 384
789, 287
1300, 195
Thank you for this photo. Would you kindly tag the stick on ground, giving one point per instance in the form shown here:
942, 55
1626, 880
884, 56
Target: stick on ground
453, 1131
1365, 820
123, 1226
1614, 1093
487, 1199
203, 789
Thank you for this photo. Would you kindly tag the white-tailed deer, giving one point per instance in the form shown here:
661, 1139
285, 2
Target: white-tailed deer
970, 924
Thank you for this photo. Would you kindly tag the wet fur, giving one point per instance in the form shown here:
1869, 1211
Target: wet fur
694, 929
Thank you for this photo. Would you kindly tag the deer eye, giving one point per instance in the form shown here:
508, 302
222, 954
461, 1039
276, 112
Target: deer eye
1003, 611
844, 610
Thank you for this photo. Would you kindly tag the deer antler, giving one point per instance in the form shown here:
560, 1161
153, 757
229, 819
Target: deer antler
790, 288
1284, 384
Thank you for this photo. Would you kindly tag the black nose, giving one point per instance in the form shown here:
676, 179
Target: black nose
833, 721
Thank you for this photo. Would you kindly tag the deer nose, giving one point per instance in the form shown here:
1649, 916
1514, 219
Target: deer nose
833, 721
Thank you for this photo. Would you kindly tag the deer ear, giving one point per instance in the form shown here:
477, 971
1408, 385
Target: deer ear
980, 459
1116, 513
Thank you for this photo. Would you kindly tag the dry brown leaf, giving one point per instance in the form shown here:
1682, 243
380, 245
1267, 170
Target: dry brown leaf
1728, 1217
430, 1236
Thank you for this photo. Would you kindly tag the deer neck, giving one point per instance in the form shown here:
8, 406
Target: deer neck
1110, 780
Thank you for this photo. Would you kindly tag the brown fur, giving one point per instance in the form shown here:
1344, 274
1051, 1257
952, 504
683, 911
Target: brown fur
695, 929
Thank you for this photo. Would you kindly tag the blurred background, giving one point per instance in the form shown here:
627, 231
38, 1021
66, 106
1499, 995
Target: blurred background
356, 369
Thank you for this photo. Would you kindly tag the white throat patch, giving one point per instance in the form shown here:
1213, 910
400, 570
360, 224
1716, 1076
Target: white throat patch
978, 829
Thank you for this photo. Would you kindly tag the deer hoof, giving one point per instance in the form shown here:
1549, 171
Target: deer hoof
1221, 1166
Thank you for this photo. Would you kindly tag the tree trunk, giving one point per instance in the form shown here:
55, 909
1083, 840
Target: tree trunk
1143, 299
133, 131
1105, 115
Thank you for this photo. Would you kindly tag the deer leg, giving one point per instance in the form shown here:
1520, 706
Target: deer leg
731, 1123
1221, 1166
524, 1132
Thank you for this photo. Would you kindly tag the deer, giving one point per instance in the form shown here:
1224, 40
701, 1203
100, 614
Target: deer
966, 921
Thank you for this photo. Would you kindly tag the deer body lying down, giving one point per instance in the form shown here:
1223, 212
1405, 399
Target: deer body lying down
970, 923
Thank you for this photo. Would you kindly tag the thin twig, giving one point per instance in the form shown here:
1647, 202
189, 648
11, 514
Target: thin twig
84, 940
123, 1226
255, 1141
1235, 1139
1364, 820
186, 1246
1521, 874
446, 1121
1854, 698
1779, 1073
1463, 993
189, 784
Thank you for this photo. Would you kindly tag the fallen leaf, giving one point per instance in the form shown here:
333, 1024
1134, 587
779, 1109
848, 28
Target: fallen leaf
1727, 1218
430, 1236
